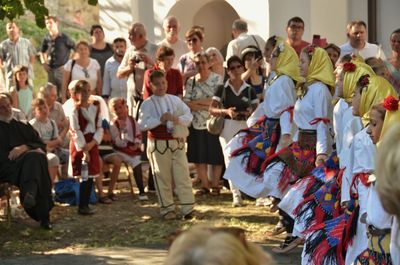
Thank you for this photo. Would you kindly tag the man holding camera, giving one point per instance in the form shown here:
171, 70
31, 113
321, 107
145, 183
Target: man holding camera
139, 57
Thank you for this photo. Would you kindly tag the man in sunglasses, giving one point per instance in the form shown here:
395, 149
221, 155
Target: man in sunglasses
242, 40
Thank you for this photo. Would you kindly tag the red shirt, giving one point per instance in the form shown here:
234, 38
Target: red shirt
174, 79
301, 46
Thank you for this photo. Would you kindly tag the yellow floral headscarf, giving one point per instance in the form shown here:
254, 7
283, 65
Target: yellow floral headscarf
320, 68
374, 93
351, 77
288, 62
392, 116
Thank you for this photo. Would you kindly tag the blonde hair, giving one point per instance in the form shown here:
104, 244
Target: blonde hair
388, 170
203, 245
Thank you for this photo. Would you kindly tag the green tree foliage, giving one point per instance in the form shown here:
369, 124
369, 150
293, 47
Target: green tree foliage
13, 9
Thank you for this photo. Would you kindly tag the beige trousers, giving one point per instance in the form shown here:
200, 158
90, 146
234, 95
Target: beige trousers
169, 162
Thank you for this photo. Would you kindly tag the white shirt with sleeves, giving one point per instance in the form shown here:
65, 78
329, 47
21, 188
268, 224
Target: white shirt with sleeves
280, 96
316, 104
353, 125
92, 127
376, 215
369, 50
88, 73
155, 106
244, 40
129, 134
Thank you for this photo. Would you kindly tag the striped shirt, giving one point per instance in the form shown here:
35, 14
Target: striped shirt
17, 53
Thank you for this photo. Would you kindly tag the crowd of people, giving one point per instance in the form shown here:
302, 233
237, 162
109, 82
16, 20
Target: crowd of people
302, 123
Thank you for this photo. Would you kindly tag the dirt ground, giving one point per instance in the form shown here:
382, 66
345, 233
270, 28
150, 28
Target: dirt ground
128, 222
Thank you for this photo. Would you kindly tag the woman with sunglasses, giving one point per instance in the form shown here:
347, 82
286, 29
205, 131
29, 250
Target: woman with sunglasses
238, 100
82, 67
203, 147
194, 39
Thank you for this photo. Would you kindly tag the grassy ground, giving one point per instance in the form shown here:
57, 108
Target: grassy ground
126, 223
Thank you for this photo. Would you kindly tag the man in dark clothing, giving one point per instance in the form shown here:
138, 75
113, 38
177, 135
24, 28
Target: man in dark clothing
23, 163
54, 52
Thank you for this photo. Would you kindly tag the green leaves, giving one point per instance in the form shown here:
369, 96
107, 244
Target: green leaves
12, 9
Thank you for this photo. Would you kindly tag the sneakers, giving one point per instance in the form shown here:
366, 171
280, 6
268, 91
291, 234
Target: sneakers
169, 216
237, 201
86, 211
193, 215
260, 202
143, 197
104, 200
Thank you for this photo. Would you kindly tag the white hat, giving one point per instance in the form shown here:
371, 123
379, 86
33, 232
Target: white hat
72, 84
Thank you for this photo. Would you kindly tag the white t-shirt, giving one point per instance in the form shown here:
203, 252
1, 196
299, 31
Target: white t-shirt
369, 50
179, 47
81, 73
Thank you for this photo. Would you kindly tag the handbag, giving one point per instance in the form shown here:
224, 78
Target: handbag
215, 124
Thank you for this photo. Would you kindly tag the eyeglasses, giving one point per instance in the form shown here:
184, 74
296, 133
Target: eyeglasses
86, 72
235, 67
298, 27
193, 40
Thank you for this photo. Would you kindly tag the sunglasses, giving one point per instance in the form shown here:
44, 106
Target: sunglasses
86, 72
235, 67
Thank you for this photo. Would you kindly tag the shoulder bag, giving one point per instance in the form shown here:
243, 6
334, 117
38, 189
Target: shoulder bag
215, 124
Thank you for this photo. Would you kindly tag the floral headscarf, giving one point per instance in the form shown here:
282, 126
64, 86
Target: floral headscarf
352, 73
376, 88
320, 68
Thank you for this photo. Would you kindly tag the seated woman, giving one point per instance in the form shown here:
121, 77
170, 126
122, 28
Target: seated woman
203, 245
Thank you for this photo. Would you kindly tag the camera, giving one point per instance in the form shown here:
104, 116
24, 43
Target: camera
136, 59
258, 55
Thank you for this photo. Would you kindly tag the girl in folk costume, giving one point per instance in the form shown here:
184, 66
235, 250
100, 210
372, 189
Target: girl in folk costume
127, 139
312, 115
274, 126
343, 238
324, 204
378, 221
387, 178
86, 134
346, 125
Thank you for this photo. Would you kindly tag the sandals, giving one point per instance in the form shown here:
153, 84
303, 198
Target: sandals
215, 191
278, 229
290, 243
202, 191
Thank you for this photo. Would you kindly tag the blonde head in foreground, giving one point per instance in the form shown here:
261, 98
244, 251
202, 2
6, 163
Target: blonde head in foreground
215, 246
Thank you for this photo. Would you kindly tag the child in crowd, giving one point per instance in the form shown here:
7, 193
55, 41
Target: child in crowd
21, 93
161, 115
48, 132
127, 137
86, 134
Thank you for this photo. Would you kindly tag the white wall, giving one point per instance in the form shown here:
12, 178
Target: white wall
265, 17
387, 21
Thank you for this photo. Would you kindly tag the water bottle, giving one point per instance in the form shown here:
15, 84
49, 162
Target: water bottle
84, 171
